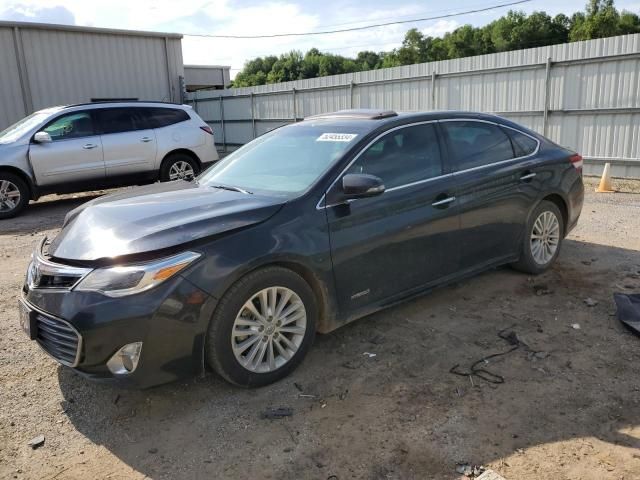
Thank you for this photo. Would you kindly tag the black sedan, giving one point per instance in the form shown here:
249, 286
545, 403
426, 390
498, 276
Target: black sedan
304, 229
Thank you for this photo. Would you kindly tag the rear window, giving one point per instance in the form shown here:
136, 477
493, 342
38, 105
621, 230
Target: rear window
163, 117
523, 145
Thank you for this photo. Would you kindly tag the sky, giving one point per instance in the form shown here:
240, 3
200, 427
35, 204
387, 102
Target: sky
254, 17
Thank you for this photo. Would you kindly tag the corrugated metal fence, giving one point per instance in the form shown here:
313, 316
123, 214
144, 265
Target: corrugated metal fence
584, 95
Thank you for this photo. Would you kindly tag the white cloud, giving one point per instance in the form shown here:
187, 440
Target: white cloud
225, 17
441, 27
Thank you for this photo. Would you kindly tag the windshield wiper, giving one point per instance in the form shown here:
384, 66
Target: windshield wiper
232, 189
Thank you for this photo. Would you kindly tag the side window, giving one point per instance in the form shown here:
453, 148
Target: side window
118, 120
474, 144
72, 125
403, 156
523, 145
163, 117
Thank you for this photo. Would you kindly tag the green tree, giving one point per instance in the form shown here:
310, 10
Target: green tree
368, 60
600, 20
515, 30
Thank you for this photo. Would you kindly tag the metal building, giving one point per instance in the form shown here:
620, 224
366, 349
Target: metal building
43, 65
206, 77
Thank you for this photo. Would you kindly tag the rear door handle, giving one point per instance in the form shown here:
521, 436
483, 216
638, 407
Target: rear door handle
89, 146
146, 139
527, 176
444, 202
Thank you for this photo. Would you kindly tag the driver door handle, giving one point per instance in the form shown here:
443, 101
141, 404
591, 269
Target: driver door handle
145, 139
527, 176
443, 202
89, 146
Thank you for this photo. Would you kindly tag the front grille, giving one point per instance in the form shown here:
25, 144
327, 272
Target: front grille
58, 339
55, 281
44, 273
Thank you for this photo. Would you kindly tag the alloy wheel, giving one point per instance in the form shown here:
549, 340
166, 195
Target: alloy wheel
181, 170
9, 196
545, 237
269, 329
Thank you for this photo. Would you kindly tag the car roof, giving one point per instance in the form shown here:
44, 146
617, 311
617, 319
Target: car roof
373, 119
114, 103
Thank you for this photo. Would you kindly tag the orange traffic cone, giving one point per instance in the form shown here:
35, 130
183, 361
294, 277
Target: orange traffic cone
605, 182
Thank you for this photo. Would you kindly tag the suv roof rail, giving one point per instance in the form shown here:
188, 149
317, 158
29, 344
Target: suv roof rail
122, 100
359, 113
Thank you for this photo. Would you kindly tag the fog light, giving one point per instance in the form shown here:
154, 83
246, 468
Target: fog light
125, 360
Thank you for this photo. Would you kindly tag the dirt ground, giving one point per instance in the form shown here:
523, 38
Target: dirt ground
569, 411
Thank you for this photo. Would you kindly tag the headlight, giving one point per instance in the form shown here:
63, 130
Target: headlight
119, 281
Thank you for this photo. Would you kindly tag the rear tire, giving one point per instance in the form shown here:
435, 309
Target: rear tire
272, 310
14, 195
179, 166
542, 240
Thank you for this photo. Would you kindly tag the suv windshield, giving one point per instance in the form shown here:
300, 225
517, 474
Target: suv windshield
285, 161
21, 127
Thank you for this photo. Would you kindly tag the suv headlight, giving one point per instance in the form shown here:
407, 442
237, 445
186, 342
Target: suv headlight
122, 280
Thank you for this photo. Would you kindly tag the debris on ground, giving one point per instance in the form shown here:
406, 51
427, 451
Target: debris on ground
36, 442
490, 475
540, 290
575, 326
274, 413
477, 369
370, 355
533, 356
468, 470
628, 310
590, 302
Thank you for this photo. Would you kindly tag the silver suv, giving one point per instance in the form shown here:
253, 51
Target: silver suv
99, 145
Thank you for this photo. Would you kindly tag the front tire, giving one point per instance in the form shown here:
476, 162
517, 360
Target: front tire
14, 195
262, 328
179, 166
542, 240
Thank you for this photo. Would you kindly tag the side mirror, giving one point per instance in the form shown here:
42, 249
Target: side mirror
361, 185
42, 137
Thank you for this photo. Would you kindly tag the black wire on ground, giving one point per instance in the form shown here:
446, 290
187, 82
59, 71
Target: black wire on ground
483, 373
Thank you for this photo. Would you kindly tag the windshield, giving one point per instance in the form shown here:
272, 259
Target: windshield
18, 129
285, 161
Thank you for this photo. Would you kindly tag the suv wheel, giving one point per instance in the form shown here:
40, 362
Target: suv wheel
179, 166
14, 195
262, 328
544, 234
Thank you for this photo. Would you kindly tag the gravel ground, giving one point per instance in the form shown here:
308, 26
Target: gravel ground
569, 407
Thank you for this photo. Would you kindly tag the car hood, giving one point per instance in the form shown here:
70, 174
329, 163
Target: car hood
156, 217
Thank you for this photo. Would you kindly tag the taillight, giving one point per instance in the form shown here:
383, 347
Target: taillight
210, 131
577, 161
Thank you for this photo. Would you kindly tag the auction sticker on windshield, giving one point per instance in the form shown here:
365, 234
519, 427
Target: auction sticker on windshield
336, 137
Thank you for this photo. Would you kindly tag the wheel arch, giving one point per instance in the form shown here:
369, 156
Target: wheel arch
184, 151
33, 191
561, 203
326, 319
318, 286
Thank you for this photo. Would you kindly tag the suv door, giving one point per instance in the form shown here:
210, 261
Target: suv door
129, 144
401, 240
74, 154
489, 177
